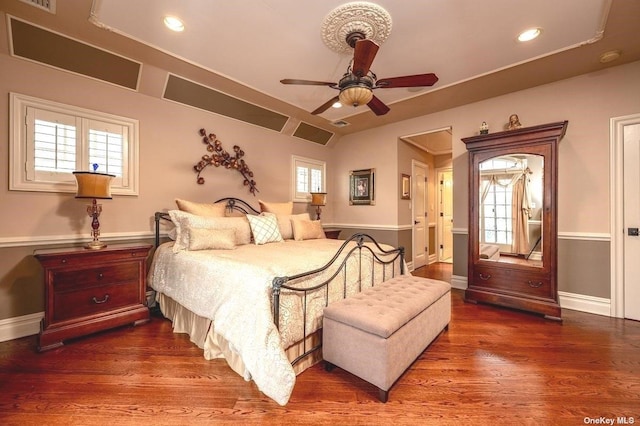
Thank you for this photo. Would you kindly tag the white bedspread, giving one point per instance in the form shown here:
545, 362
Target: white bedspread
233, 289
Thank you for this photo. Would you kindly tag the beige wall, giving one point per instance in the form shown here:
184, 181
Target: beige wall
170, 146
588, 102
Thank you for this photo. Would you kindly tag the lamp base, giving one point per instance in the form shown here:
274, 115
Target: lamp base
95, 245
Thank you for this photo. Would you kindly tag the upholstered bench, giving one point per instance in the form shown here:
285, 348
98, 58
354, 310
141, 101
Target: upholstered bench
378, 333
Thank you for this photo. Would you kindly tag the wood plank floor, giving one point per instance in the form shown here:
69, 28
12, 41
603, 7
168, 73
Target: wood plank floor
493, 366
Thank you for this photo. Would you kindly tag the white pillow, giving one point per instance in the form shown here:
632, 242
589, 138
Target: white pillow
264, 228
206, 239
183, 221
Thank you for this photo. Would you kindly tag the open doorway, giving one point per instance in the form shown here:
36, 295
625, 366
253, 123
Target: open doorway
433, 156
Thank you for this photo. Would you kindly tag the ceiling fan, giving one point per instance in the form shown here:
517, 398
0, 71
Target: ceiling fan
357, 85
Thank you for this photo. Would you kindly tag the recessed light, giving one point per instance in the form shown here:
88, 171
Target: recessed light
337, 104
609, 56
529, 34
173, 23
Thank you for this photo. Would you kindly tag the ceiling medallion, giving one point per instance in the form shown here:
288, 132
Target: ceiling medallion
365, 18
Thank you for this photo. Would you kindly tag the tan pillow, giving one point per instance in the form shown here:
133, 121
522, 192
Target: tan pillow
284, 223
202, 209
183, 221
207, 239
277, 208
307, 230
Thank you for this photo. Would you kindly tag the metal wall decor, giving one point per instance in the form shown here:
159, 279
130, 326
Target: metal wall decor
362, 187
220, 157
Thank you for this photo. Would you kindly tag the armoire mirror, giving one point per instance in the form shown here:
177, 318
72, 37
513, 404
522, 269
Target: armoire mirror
513, 218
510, 209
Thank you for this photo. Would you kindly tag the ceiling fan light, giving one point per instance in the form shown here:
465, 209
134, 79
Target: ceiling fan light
355, 96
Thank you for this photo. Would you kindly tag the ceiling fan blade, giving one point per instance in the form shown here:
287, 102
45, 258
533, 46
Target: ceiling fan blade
307, 82
363, 54
408, 81
377, 106
325, 106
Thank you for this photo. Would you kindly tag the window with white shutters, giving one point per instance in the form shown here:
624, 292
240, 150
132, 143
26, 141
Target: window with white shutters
308, 176
50, 140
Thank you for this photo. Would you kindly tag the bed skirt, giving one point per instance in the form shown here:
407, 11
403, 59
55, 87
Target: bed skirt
202, 332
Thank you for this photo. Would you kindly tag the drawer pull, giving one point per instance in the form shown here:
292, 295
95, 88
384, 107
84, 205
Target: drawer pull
485, 277
98, 302
535, 285
100, 276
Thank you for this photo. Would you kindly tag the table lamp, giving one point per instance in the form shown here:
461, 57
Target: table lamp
318, 199
95, 186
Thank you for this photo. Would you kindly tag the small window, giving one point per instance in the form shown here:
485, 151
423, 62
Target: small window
307, 176
50, 140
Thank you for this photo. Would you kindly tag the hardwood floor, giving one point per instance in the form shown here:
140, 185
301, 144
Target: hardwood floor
493, 366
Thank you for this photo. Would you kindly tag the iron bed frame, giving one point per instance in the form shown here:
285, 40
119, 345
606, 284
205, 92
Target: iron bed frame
293, 283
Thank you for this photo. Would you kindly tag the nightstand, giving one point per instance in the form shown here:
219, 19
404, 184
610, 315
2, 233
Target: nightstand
332, 233
92, 290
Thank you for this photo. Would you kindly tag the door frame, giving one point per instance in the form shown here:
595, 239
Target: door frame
425, 166
616, 182
439, 210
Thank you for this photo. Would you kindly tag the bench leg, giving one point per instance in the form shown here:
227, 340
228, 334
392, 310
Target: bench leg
328, 366
383, 395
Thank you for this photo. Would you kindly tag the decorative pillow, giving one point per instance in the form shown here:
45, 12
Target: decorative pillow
206, 239
307, 230
202, 209
284, 223
183, 221
277, 208
264, 228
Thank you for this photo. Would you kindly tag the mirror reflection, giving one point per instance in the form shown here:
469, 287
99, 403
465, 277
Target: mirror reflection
511, 200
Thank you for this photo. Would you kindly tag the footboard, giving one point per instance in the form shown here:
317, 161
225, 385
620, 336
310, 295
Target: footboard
373, 264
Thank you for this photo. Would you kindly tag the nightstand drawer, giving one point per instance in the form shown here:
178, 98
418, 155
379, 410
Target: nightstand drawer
75, 279
94, 300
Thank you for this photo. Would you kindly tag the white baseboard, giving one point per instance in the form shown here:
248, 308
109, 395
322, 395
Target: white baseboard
459, 282
28, 325
583, 303
15, 328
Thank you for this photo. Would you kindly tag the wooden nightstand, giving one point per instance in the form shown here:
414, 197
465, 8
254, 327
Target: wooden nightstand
332, 233
92, 290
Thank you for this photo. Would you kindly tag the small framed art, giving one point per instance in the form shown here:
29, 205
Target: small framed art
405, 187
362, 187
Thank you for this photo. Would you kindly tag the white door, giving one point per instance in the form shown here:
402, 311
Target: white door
419, 204
631, 189
445, 215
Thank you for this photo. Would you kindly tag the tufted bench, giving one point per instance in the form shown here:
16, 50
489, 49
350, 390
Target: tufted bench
378, 333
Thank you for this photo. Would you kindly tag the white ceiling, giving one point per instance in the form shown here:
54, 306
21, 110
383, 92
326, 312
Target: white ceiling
258, 43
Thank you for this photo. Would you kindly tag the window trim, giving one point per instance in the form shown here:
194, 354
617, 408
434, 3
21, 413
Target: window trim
18, 144
295, 160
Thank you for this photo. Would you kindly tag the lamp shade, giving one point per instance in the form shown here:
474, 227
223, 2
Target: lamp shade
93, 185
318, 198
356, 95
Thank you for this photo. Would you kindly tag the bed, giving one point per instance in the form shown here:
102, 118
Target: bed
259, 306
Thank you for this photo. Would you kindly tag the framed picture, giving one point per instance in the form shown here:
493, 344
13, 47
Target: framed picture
362, 187
405, 187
